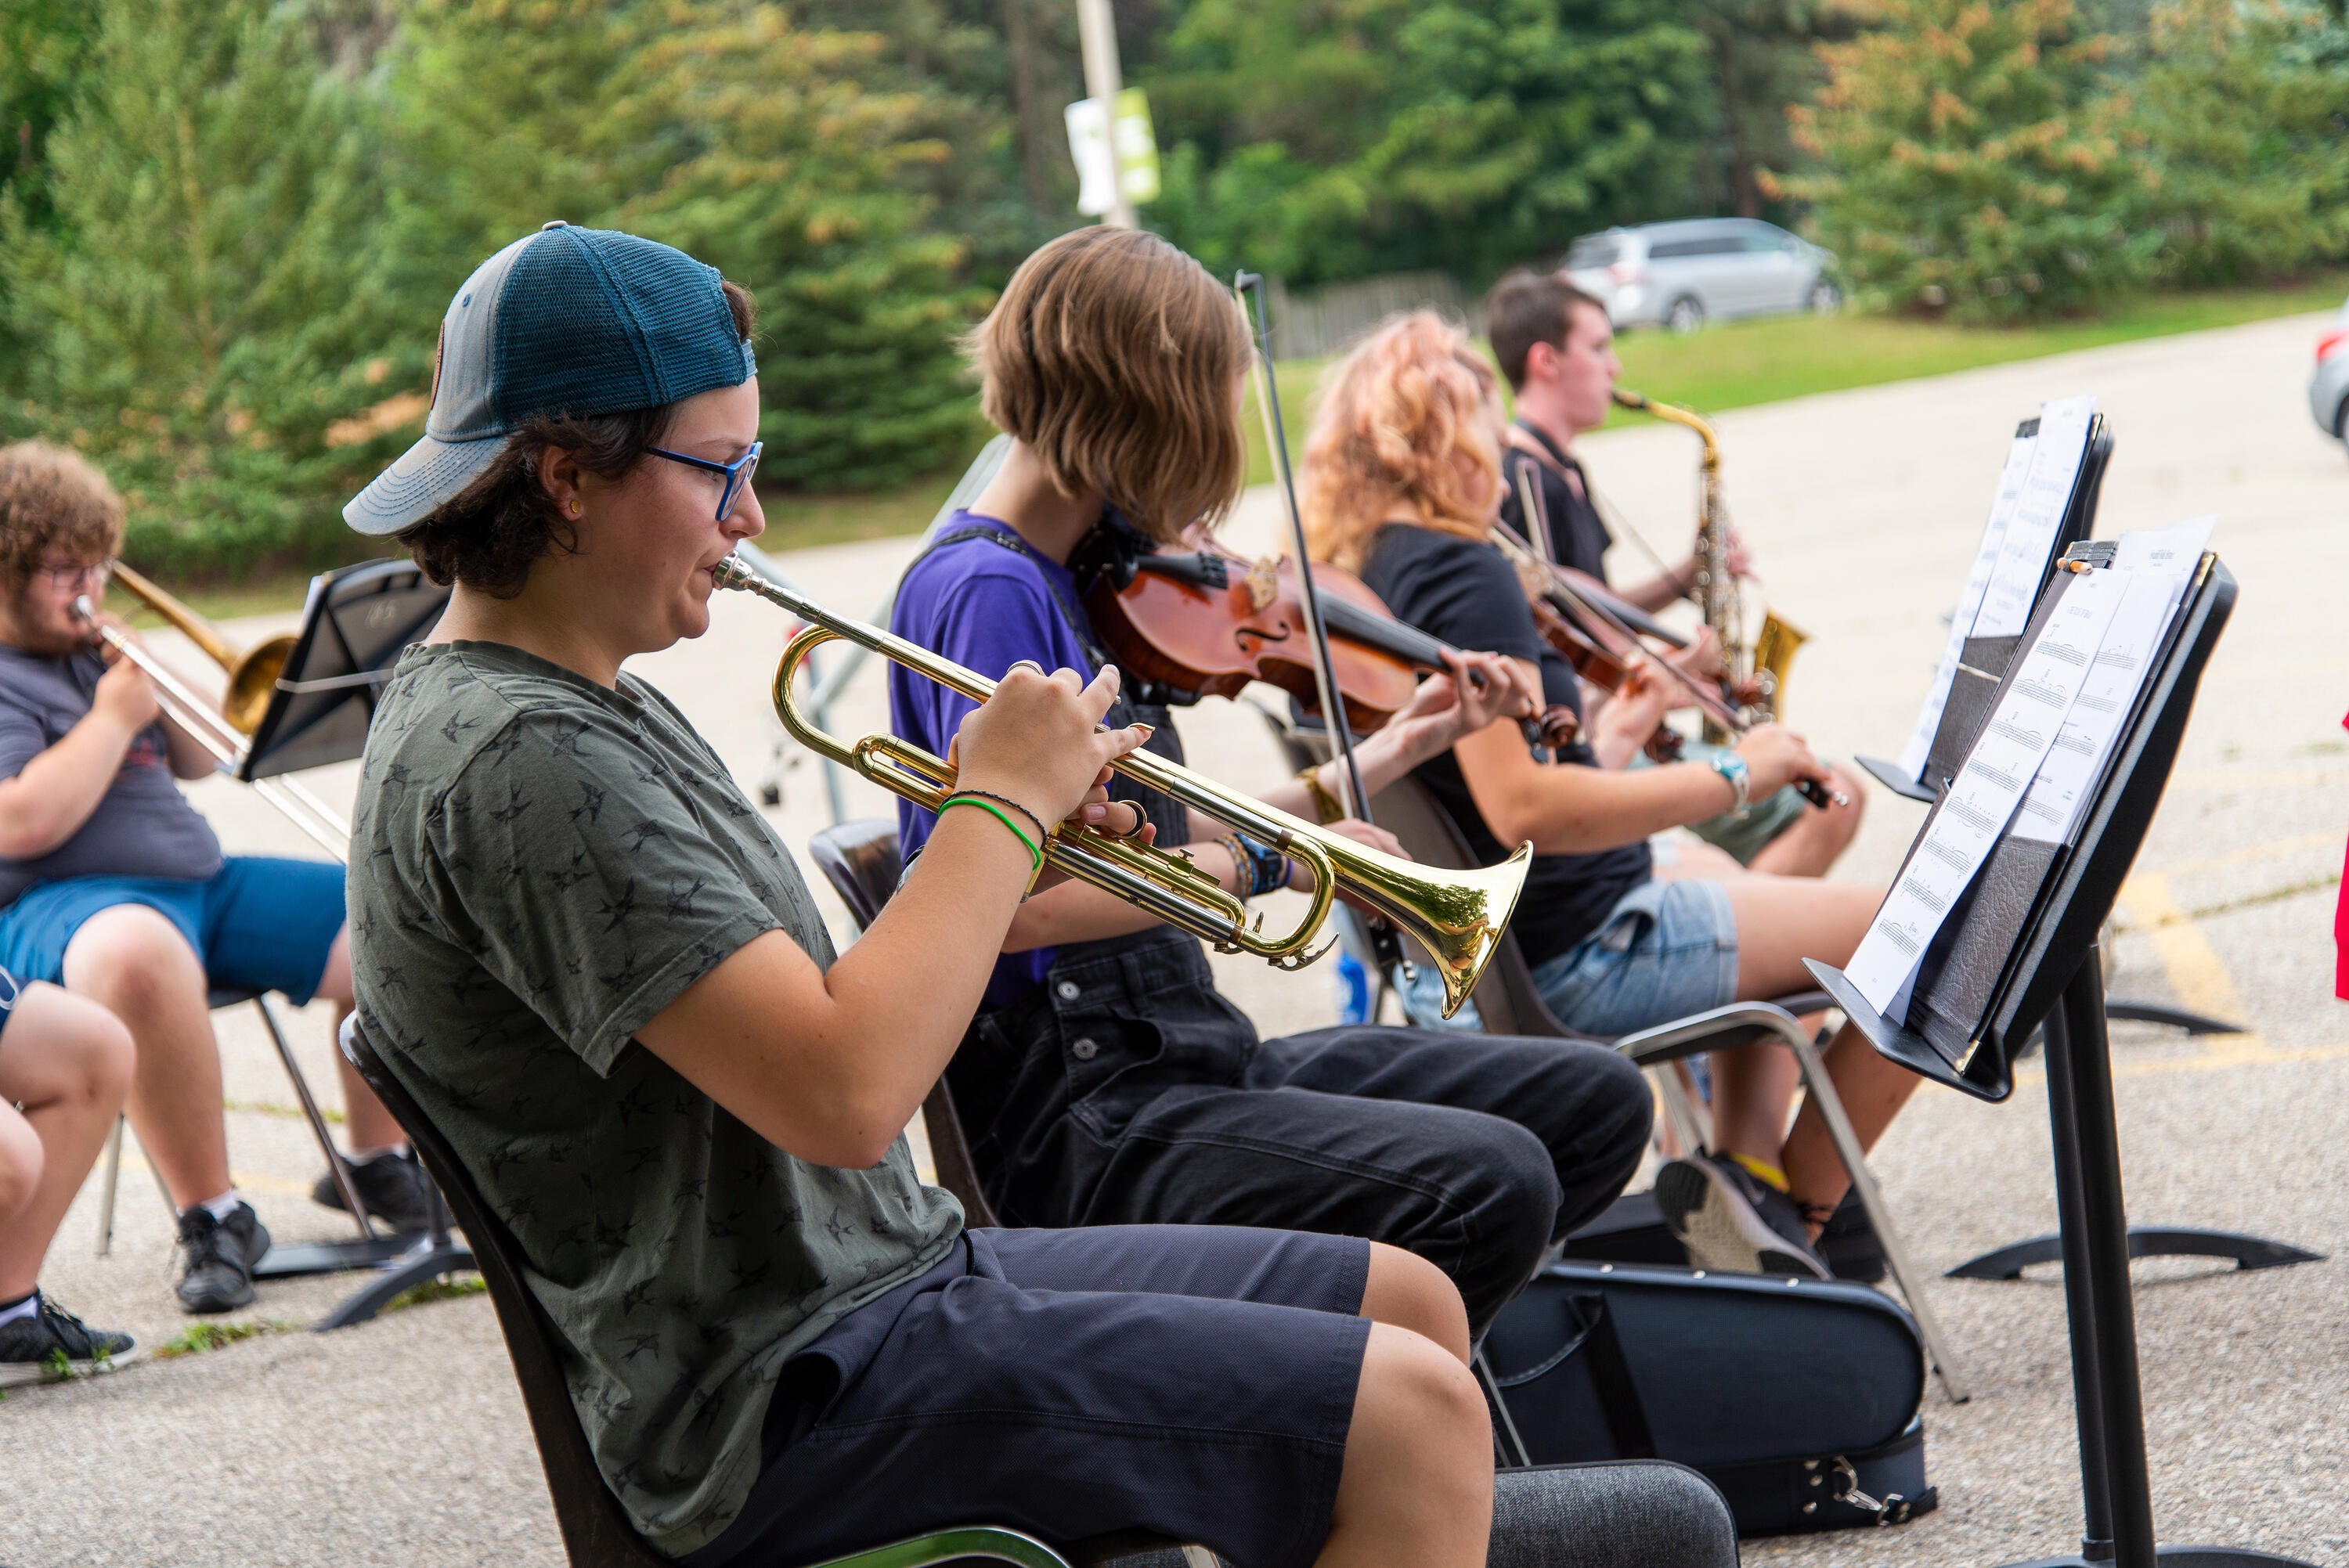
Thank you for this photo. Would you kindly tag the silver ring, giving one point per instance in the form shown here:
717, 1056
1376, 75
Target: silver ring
1025, 664
1141, 820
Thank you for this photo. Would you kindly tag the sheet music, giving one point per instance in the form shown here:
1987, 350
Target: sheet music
1919, 748
2156, 566
2030, 541
1985, 794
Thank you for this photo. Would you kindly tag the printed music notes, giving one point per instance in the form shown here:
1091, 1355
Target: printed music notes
1984, 796
2030, 539
2157, 565
1986, 556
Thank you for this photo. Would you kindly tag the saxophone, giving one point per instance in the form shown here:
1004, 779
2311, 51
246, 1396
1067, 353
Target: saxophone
1756, 670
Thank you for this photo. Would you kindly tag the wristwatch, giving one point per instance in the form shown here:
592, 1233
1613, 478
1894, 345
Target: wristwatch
1732, 766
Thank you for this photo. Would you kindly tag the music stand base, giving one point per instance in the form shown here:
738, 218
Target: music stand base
408, 1271
2246, 1253
2176, 1557
2169, 1018
303, 1258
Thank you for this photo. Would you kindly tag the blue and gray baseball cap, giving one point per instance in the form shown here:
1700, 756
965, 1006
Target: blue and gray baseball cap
565, 321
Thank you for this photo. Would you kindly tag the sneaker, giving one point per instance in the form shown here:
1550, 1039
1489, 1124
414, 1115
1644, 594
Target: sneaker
52, 1345
1850, 1245
391, 1185
217, 1259
1729, 1221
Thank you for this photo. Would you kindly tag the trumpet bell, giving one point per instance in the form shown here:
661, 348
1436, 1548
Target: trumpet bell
1456, 917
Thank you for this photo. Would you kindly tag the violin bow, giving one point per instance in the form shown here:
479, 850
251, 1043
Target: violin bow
1325, 678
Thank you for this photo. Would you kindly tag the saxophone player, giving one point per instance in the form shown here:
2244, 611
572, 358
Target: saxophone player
1555, 346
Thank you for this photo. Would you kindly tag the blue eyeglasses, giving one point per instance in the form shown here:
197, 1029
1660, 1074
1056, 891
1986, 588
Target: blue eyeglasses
738, 473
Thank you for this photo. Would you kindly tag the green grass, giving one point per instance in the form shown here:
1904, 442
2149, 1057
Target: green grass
439, 1290
1732, 365
1738, 364
199, 1337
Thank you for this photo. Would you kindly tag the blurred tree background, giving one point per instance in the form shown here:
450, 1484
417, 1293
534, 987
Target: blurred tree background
229, 227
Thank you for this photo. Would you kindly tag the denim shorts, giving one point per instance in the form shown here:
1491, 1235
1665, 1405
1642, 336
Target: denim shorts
1667, 949
258, 924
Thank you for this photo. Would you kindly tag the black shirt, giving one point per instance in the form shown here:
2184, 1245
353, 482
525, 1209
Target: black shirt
1577, 535
1467, 594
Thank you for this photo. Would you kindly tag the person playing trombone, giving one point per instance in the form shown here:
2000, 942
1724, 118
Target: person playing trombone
114, 887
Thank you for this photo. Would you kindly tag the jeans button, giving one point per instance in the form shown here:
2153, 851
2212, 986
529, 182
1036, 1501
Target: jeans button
1069, 990
1083, 1050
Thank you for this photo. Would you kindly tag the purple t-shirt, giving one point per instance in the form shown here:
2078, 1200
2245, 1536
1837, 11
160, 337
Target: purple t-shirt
983, 605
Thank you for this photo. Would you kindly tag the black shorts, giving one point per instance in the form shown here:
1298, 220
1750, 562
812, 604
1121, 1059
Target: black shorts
1195, 1381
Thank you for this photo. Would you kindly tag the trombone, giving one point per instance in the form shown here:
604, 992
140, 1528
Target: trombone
222, 732
1457, 916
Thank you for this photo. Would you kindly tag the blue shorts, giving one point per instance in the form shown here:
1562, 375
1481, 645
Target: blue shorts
1667, 949
258, 924
1194, 1381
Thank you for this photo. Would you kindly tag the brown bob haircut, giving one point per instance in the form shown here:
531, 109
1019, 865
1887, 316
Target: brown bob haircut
53, 499
1528, 307
1114, 356
1408, 422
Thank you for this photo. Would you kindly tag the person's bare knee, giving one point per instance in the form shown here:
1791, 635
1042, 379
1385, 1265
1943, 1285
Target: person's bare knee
21, 1162
1416, 1486
135, 962
1406, 1291
334, 982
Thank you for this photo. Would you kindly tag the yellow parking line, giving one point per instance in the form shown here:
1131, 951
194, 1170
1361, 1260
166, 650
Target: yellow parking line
278, 1184
2200, 981
2225, 778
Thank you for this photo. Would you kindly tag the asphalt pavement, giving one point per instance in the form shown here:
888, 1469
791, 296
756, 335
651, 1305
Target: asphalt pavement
403, 1442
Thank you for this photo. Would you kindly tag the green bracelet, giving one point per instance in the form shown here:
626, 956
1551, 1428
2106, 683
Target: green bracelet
1035, 855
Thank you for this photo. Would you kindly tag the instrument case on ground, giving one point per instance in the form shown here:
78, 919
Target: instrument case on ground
1798, 1398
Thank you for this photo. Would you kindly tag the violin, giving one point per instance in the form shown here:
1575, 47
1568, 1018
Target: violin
1602, 648
1206, 623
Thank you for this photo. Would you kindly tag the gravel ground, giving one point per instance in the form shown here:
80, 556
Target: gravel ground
403, 1442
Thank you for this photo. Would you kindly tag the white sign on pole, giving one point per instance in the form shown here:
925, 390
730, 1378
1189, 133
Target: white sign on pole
1108, 155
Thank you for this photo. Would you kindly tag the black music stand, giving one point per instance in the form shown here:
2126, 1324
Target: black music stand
2020, 956
357, 620
1981, 667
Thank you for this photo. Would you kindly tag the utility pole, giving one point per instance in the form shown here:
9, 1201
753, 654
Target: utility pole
1097, 31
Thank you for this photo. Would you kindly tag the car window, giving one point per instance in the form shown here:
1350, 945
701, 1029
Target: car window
1703, 246
1762, 237
1598, 251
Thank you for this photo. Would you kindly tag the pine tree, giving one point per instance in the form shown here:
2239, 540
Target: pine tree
205, 316
2243, 126
1975, 157
754, 144
44, 47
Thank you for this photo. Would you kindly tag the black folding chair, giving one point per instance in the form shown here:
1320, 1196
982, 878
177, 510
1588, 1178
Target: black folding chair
596, 1532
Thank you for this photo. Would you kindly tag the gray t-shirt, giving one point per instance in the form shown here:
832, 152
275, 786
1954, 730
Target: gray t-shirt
143, 827
541, 866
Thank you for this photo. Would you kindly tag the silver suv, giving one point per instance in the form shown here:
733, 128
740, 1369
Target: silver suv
1682, 274
2328, 392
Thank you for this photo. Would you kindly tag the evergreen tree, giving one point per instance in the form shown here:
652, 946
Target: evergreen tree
1973, 158
1761, 56
206, 319
757, 145
43, 55
1318, 140
2246, 132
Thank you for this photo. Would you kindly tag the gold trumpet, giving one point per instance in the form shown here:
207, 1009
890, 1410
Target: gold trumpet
1457, 916
218, 731
251, 674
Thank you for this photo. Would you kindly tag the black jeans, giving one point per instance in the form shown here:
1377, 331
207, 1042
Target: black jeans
1128, 1091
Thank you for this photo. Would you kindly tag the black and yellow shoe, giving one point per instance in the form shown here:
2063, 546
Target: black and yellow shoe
1730, 1221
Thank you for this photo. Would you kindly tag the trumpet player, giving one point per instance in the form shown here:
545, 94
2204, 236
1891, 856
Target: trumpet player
1557, 346
114, 887
582, 950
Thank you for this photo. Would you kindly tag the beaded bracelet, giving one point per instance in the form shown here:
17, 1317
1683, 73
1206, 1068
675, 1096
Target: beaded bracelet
1035, 854
1267, 867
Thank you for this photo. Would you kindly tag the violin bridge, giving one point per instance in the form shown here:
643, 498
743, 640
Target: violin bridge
1263, 583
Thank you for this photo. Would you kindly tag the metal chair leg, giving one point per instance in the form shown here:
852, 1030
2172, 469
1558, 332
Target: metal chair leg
106, 1188
335, 1165
1690, 1122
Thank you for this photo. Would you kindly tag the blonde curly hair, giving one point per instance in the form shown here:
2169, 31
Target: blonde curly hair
52, 498
1407, 423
